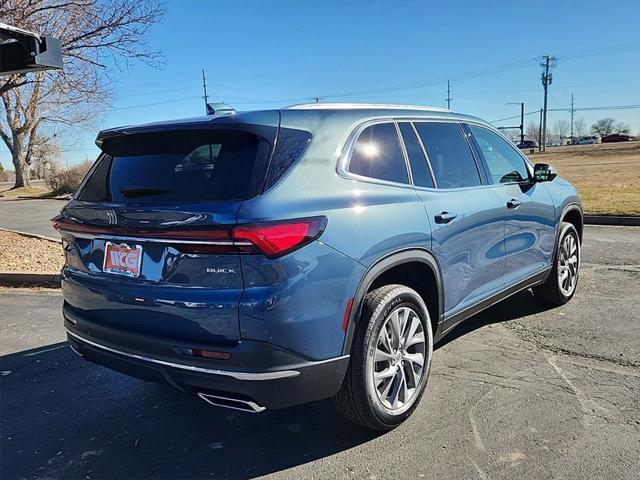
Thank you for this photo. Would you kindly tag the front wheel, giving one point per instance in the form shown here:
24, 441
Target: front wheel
561, 284
390, 359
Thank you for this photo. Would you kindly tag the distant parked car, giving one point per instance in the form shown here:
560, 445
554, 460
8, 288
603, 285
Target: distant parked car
617, 137
527, 144
587, 140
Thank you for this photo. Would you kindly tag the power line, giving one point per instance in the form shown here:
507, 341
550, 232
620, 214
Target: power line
175, 100
606, 107
514, 116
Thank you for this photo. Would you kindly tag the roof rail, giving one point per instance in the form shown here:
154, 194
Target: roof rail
367, 106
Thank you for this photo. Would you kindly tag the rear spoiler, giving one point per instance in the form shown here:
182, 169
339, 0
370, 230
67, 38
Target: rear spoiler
254, 122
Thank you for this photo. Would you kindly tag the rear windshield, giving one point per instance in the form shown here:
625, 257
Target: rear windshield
178, 166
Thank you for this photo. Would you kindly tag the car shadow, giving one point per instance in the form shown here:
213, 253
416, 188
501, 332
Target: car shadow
517, 306
62, 417
65, 418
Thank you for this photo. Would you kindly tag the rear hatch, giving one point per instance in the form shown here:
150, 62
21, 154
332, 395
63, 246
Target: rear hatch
147, 238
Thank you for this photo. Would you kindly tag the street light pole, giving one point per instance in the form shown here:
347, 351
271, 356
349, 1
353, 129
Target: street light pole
521, 118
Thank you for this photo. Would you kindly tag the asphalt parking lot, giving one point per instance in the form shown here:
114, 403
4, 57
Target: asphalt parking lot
518, 391
30, 216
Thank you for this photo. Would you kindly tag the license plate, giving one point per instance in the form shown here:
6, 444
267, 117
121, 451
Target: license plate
122, 259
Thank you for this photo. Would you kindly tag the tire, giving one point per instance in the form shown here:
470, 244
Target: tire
553, 291
376, 366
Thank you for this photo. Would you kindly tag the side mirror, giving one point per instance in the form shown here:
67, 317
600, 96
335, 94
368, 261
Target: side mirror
543, 172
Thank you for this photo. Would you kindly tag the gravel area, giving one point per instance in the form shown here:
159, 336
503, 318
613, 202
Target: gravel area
20, 253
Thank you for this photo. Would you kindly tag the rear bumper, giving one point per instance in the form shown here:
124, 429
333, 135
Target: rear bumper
258, 374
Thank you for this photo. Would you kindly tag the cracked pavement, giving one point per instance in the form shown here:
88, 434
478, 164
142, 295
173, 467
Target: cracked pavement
518, 391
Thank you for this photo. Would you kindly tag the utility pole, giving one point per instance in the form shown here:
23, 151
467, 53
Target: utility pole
204, 87
540, 133
573, 111
546, 77
449, 95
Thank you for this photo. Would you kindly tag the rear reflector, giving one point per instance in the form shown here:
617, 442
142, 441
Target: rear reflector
347, 314
196, 352
272, 239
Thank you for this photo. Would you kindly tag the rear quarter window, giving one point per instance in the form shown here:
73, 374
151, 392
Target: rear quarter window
377, 154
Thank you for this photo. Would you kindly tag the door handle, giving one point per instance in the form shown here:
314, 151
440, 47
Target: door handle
513, 203
445, 217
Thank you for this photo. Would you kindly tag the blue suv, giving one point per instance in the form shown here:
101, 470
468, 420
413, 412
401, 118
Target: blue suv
271, 258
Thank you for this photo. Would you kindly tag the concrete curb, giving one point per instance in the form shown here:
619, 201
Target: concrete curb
619, 220
30, 279
65, 199
32, 235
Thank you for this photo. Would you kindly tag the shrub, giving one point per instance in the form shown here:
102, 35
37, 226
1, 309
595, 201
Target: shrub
63, 181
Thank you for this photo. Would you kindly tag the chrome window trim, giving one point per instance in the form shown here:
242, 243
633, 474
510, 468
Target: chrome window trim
192, 368
342, 167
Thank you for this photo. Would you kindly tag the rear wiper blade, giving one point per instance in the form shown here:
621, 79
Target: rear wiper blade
143, 192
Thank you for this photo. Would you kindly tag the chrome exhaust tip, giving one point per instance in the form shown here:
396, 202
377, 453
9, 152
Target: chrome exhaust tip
232, 403
76, 351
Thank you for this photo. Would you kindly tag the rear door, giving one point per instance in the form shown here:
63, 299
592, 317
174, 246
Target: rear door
147, 237
528, 207
467, 221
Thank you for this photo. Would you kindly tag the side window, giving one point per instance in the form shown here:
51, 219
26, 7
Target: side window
505, 164
449, 154
417, 160
377, 154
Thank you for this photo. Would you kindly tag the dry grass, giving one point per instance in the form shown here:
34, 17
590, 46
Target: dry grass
33, 191
607, 176
20, 253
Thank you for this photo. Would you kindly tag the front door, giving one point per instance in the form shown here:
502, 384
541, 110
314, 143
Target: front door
528, 207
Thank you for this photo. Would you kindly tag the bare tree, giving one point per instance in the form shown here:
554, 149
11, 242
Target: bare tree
561, 129
622, 128
579, 127
94, 34
603, 127
45, 154
511, 134
532, 131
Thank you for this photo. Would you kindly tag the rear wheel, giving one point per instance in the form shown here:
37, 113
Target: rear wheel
390, 359
561, 284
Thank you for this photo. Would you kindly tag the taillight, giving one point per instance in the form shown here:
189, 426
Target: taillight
277, 238
272, 239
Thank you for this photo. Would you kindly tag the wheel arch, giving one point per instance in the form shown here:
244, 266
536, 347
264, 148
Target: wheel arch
572, 213
390, 268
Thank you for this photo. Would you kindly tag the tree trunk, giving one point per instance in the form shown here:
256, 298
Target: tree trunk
20, 163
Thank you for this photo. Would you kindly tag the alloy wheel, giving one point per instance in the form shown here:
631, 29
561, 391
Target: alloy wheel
568, 263
399, 361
